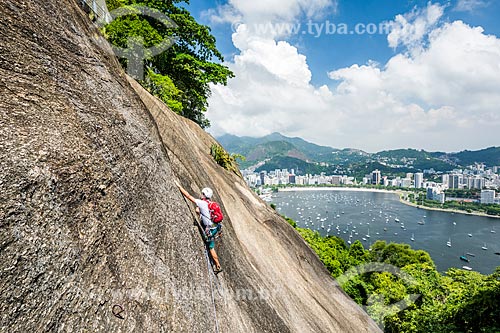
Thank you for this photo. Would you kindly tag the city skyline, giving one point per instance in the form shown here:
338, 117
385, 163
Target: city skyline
477, 177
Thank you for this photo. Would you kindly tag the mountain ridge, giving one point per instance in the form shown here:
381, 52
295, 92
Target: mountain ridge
313, 154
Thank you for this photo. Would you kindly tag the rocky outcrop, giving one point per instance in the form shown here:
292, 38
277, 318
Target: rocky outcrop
94, 236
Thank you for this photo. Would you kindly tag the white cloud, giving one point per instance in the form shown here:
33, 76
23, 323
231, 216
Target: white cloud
469, 5
270, 92
272, 87
279, 59
284, 10
445, 91
269, 18
222, 14
409, 30
443, 97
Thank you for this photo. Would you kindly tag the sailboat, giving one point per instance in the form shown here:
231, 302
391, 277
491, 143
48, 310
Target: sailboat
368, 234
464, 258
484, 247
448, 243
412, 237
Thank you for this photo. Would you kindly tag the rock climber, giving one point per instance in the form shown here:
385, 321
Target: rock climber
211, 229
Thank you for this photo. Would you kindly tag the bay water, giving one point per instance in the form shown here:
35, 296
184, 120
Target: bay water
370, 216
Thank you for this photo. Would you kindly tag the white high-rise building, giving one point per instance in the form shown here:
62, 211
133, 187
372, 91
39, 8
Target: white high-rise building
406, 182
488, 196
419, 179
455, 181
375, 177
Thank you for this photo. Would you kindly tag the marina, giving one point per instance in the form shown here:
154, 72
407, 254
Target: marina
449, 238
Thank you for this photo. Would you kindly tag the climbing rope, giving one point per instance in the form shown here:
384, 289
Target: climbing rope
209, 267
210, 271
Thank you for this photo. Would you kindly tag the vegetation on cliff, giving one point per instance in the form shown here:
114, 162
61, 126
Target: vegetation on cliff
224, 159
181, 75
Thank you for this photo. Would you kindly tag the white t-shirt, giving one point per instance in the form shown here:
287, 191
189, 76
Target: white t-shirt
204, 212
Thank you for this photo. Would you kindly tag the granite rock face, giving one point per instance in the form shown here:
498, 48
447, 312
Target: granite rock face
95, 237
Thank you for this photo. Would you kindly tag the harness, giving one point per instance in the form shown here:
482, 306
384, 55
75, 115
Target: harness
212, 236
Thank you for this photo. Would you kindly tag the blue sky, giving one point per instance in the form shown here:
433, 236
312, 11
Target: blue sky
426, 76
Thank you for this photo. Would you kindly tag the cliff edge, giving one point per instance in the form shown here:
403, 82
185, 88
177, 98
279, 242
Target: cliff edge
94, 236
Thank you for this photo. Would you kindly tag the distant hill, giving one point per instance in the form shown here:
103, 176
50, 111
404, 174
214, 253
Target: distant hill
247, 146
272, 145
276, 151
415, 159
489, 156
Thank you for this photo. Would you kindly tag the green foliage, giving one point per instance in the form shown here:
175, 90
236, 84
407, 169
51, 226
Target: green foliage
290, 221
399, 255
191, 64
463, 193
459, 301
224, 159
164, 88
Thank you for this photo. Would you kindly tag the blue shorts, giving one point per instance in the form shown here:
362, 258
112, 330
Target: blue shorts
212, 232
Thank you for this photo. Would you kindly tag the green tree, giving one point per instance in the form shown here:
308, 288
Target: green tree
358, 252
182, 74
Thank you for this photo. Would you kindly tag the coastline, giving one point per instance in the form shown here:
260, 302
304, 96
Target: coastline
398, 192
353, 189
447, 210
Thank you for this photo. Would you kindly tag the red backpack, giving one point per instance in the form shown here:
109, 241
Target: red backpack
215, 212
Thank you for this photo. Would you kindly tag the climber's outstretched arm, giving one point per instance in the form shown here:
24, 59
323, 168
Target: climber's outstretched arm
184, 192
